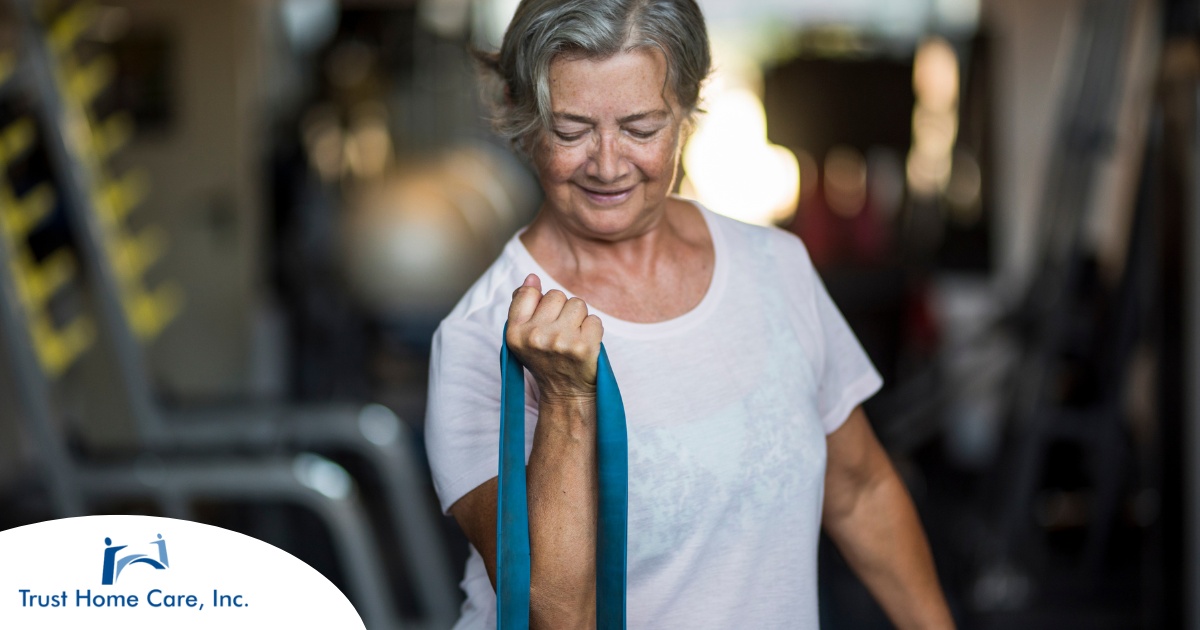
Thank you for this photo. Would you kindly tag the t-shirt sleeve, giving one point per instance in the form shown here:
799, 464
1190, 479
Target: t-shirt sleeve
462, 418
845, 375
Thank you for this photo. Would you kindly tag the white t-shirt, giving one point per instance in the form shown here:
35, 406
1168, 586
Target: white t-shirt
727, 408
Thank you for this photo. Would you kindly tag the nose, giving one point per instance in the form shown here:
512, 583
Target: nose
606, 162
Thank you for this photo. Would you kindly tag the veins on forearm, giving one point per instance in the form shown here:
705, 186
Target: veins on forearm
562, 509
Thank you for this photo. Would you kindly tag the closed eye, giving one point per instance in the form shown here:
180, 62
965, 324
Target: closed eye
569, 137
642, 134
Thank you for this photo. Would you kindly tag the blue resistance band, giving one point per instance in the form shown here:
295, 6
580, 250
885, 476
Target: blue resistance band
512, 525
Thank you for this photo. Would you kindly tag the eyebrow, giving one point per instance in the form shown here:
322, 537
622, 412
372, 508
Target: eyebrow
658, 113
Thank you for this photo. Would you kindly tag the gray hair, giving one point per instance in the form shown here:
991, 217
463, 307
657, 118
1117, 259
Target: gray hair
595, 29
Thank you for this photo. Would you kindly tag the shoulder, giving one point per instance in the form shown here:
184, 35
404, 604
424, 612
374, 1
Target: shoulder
483, 309
475, 324
772, 258
782, 249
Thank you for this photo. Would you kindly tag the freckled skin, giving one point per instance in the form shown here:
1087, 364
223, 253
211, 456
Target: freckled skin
635, 253
639, 155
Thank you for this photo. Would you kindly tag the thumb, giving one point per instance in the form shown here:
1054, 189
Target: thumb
533, 281
525, 303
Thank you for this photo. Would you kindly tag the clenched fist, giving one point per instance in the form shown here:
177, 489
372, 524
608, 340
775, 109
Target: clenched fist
556, 339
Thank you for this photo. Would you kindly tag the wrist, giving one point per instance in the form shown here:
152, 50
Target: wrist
568, 401
566, 393
573, 412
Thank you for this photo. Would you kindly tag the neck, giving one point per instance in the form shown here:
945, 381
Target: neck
570, 255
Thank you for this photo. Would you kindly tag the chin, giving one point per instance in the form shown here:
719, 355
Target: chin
612, 221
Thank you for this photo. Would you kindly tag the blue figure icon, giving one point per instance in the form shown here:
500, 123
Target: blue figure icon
113, 565
110, 553
162, 551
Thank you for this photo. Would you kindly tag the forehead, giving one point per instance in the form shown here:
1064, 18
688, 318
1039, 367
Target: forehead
627, 82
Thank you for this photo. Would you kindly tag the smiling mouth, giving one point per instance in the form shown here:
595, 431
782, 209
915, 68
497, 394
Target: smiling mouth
607, 197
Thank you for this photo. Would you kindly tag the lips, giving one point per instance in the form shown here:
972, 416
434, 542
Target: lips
607, 197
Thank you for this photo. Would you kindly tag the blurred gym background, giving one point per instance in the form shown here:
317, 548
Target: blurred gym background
231, 226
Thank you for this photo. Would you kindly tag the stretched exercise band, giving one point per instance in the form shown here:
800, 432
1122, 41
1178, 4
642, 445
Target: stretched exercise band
512, 525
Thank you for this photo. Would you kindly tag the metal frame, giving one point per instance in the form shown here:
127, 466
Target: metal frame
74, 486
1085, 122
1191, 380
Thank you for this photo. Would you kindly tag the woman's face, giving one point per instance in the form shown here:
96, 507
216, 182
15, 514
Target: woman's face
609, 160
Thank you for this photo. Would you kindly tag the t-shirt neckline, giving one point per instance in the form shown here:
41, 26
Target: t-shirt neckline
625, 328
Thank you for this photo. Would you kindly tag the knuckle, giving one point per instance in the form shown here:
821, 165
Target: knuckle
562, 345
556, 294
519, 343
538, 338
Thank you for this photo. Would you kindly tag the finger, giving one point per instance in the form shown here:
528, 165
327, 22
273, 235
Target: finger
532, 280
549, 307
593, 331
573, 313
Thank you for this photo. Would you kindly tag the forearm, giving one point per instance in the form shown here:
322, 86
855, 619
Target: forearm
561, 483
881, 537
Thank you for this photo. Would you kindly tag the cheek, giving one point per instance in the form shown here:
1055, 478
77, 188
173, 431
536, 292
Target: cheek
658, 159
559, 163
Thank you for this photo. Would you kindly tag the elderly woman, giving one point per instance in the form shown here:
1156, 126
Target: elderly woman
741, 380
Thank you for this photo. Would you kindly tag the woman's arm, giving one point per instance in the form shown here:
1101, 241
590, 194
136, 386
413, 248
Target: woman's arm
870, 516
558, 341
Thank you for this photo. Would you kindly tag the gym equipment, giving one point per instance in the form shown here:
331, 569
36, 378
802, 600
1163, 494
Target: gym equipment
1086, 118
1066, 327
189, 453
413, 243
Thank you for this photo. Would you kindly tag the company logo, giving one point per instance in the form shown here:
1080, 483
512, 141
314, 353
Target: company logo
114, 565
